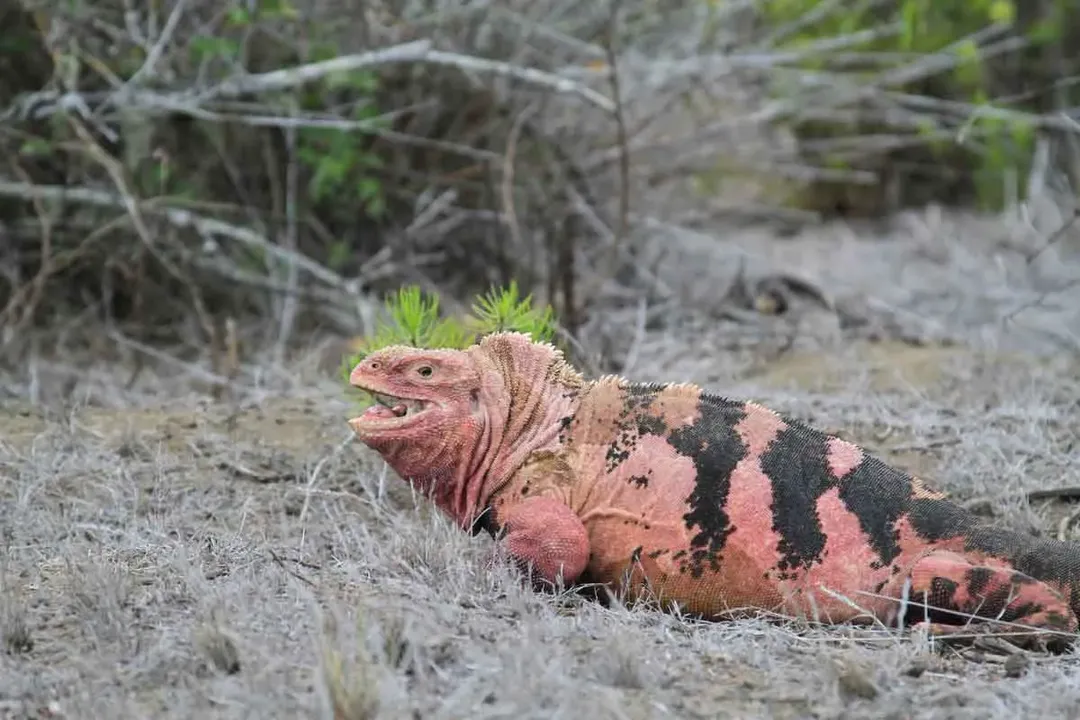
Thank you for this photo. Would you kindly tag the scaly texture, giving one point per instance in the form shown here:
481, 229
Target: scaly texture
714, 505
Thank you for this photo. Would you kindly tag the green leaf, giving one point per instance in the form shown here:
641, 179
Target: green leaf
504, 310
365, 81
1044, 31
277, 9
35, 147
376, 206
322, 50
413, 318
368, 188
339, 254
238, 15
1002, 11
909, 16
414, 314
204, 47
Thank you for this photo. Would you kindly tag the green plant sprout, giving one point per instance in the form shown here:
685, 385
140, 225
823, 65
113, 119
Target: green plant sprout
506, 310
413, 319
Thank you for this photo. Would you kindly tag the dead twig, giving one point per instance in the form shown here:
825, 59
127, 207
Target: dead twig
115, 172
288, 306
280, 562
180, 218
203, 374
412, 52
258, 476
507, 189
621, 137
1066, 523
1069, 492
46, 267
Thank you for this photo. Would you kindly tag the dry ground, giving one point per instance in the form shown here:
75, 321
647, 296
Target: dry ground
237, 559
166, 555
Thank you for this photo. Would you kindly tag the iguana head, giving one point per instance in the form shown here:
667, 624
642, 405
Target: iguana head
424, 400
457, 421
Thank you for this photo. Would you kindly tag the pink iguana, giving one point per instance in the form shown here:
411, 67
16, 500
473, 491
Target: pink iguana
714, 504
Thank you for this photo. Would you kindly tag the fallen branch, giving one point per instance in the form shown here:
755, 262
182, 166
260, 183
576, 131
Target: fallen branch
179, 218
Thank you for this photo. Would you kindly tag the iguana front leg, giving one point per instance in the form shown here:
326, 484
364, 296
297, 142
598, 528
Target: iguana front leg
544, 535
977, 599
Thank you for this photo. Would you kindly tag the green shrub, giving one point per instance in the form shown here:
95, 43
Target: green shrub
983, 144
413, 318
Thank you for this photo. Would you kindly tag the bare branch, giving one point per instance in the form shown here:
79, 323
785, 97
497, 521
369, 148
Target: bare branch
149, 67
129, 96
179, 218
419, 51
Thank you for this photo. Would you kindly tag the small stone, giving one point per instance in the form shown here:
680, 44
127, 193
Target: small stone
1016, 665
916, 668
857, 683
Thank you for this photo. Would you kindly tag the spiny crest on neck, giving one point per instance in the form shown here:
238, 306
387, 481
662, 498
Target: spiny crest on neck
520, 359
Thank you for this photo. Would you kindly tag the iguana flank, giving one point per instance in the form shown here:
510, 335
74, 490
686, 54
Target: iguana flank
715, 505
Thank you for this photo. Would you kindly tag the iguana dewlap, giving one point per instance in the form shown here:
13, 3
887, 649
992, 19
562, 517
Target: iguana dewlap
692, 499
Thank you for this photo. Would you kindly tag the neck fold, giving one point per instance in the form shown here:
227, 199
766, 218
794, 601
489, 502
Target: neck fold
521, 418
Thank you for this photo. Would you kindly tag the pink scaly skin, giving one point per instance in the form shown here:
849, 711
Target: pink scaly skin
714, 505
458, 431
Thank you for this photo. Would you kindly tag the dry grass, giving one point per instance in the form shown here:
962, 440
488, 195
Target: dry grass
168, 556
169, 552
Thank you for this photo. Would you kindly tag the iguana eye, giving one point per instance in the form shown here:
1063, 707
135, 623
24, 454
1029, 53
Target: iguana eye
425, 371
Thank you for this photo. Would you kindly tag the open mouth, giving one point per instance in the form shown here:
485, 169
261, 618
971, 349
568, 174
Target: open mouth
389, 410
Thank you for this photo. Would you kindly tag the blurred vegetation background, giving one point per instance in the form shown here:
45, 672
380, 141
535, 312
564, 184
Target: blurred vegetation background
202, 176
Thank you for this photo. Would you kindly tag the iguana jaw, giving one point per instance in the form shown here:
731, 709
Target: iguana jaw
390, 412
